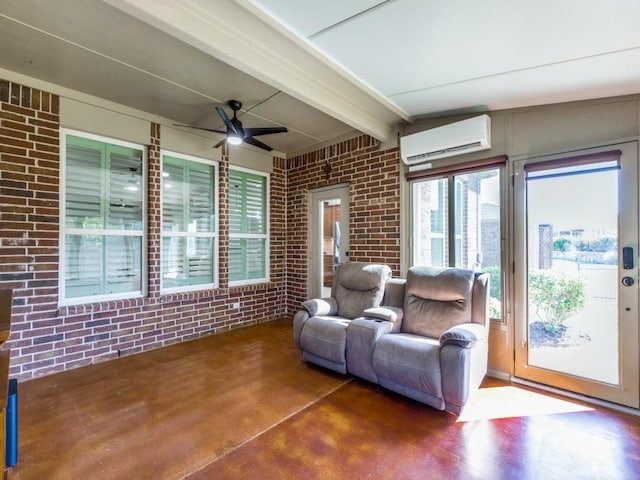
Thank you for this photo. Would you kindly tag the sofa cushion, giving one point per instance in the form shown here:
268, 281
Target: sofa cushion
409, 360
394, 292
358, 287
437, 299
325, 337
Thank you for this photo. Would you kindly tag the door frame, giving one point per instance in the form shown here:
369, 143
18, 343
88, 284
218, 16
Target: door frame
628, 390
316, 196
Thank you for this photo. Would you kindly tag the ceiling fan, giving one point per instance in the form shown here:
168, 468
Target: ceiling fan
235, 133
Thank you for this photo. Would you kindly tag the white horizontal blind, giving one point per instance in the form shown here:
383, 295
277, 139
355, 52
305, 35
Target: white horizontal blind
104, 226
248, 246
188, 222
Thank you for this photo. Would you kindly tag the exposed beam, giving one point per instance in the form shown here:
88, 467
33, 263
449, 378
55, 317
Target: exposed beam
241, 35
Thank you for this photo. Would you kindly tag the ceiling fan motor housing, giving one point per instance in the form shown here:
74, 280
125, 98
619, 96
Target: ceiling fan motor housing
235, 106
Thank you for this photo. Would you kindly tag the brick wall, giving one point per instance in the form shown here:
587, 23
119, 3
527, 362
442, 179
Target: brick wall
374, 197
46, 338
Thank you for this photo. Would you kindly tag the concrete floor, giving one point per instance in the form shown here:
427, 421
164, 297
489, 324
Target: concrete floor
242, 405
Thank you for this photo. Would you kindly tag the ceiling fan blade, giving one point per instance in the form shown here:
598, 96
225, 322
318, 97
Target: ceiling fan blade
217, 145
257, 143
252, 132
227, 122
199, 128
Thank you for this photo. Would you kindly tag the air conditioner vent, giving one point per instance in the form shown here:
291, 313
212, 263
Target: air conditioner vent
471, 135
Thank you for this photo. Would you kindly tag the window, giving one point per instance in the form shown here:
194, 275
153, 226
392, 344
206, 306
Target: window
456, 222
189, 226
248, 227
102, 232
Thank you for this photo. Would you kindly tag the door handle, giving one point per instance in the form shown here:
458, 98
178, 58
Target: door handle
627, 281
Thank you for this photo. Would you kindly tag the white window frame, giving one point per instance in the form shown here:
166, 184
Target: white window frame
452, 237
64, 231
214, 235
266, 236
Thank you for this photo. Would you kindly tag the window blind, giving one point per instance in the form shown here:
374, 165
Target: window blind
103, 227
248, 254
188, 222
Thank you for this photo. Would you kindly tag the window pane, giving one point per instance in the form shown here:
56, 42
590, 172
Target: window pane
83, 261
236, 262
256, 204
201, 201
104, 193
173, 261
248, 255
247, 202
86, 257
475, 220
188, 208
84, 173
236, 201
477, 228
124, 260
173, 187
186, 261
255, 258
86, 262
430, 234
247, 259
125, 189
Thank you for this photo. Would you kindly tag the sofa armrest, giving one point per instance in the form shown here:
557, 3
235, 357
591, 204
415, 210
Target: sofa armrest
465, 335
299, 320
321, 306
362, 335
388, 314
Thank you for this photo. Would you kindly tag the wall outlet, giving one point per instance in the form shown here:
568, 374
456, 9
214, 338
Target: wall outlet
236, 306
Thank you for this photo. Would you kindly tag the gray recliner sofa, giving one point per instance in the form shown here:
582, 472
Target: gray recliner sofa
320, 329
427, 340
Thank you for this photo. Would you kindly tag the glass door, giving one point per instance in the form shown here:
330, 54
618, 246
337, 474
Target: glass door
329, 237
577, 302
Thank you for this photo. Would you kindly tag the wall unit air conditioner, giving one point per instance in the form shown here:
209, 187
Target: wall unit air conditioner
466, 136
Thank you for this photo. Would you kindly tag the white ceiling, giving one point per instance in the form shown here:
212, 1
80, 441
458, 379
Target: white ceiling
433, 57
328, 69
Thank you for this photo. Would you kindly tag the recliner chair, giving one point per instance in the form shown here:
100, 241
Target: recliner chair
439, 356
320, 329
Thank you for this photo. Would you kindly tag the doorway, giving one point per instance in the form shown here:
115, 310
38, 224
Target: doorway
576, 272
328, 237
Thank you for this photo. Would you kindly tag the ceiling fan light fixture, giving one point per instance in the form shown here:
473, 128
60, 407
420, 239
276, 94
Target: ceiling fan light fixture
235, 134
234, 139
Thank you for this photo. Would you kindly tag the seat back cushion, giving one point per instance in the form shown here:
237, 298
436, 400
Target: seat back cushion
437, 299
394, 292
358, 286
480, 313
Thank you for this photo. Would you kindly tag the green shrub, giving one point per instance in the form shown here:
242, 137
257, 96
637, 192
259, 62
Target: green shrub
495, 291
561, 244
495, 281
602, 244
495, 308
555, 296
